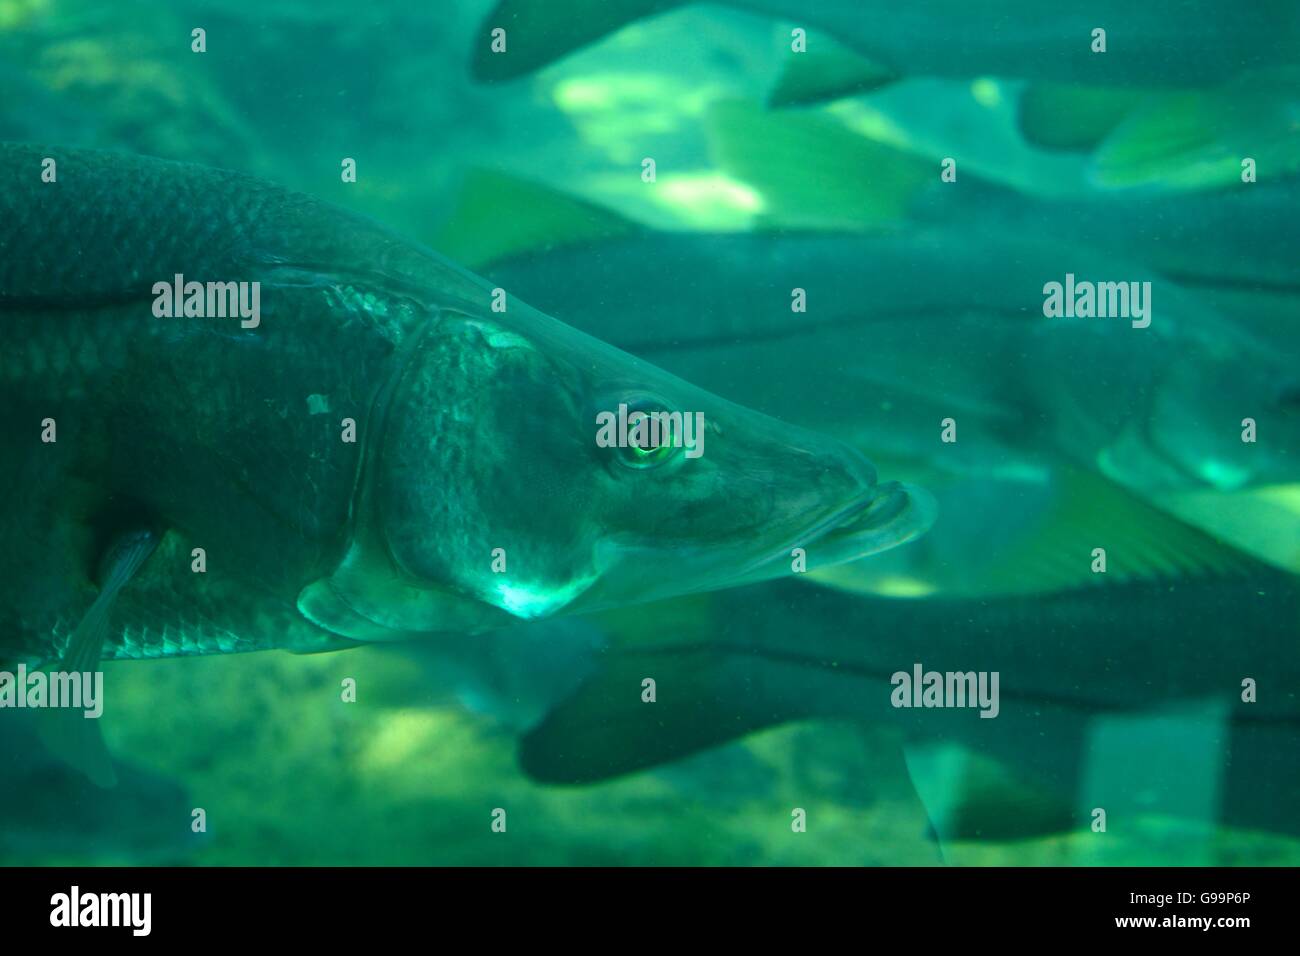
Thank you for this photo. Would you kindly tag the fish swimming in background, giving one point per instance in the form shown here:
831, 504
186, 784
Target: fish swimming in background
1156, 43
1072, 667
1226, 242
1063, 140
903, 331
190, 484
1195, 239
919, 321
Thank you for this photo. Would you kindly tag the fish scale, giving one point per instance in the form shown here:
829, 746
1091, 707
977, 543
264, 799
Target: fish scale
72, 352
135, 422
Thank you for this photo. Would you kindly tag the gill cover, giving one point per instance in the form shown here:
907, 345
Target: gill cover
488, 470
408, 567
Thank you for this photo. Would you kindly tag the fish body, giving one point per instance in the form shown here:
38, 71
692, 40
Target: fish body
1195, 239
899, 332
1147, 44
378, 452
1069, 666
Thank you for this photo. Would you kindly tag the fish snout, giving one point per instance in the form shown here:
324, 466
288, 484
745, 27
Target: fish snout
827, 506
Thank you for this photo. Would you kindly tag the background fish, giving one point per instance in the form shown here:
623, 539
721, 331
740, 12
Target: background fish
959, 39
1066, 661
896, 305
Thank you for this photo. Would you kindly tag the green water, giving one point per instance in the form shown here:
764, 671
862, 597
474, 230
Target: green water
1112, 537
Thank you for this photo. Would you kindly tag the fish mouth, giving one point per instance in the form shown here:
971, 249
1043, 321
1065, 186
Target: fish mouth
884, 517
881, 517
891, 514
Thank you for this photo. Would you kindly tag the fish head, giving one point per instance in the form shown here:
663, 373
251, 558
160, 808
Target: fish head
505, 476
1231, 418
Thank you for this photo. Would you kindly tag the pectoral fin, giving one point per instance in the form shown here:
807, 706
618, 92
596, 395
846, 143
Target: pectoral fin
69, 733
1264, 522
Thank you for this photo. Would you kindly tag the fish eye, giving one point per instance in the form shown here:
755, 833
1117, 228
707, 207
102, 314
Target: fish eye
650, 444
650, 435
635, 456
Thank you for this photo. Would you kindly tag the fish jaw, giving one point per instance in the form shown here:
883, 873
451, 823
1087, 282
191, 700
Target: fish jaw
896, 514
888, 516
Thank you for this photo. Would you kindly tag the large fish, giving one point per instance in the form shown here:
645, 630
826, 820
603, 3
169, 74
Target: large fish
196, 490
1156, 43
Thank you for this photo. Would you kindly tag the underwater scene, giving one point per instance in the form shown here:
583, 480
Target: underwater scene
648, 432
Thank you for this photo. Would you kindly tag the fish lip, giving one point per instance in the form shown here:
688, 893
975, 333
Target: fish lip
838, 520
845, 520
893, 502
908, 507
